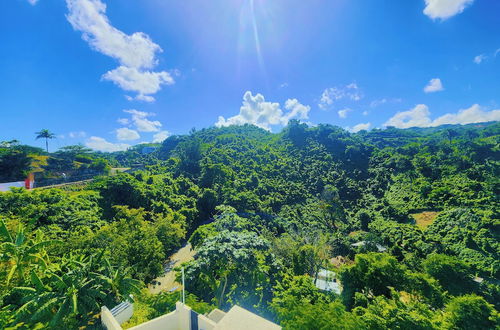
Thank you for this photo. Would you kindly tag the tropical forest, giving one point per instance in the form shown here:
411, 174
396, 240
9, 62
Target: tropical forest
407, 220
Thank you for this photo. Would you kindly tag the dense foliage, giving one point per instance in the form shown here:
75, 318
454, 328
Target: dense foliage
266, 213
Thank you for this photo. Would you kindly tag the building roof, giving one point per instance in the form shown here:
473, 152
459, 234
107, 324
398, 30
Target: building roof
380, 248
240, 319
331, 286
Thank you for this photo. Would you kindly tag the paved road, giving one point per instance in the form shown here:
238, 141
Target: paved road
167, 280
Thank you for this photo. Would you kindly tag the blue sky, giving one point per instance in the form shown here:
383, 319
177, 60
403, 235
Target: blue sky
110, 74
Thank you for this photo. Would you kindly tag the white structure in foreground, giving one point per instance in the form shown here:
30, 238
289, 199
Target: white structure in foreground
184, 318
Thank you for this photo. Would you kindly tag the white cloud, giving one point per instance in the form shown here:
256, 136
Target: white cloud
160, 136
89, 17
136, 52
284, 85
123, 121
365, 113
434, 85
343, 113
361, 127
126, 134
333, 94
100, 144
296, 110
80, 134
444, 9
420, 117
497, 52
416, 117
479, 58
376, 103
142, 82
474, 114
255, 110
145, 98
141, 123
33, 2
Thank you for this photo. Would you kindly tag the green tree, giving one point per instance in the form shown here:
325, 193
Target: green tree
298, 304
72, 292
20, 252
233, 268
470, 312
14, 164
452, 273
372, 274
45, 134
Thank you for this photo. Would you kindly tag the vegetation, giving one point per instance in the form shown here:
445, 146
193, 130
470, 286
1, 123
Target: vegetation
265, 213
45, 134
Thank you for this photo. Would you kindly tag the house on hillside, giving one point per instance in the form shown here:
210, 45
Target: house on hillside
380, 248
327, 281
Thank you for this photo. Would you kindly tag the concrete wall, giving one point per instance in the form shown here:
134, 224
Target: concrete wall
108, 320
6, 186
125, 314
180, 319
184, 317
165, 322
204, 323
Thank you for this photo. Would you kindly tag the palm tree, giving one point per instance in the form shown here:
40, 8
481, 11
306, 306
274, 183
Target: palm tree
45, 134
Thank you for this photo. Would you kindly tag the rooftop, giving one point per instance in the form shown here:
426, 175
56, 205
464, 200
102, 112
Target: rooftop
184, 318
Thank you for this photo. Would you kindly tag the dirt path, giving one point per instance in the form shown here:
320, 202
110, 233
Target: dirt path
167, 280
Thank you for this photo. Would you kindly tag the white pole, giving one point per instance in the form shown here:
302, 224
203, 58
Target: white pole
183, 288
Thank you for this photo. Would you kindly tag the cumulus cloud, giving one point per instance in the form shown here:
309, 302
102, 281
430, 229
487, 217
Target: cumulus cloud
474, 114
33, 2
416, 117
136, 53
444, 9
419, 116
160, 136
361, 127
296, 110
100, 144
479, 58
126, 134
434, 85
343, 113
257, 111
142, 123
142, 82
332, 94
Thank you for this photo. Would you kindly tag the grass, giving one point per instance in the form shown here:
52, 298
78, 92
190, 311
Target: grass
424, 219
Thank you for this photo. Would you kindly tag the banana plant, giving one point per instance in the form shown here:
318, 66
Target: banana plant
20, 251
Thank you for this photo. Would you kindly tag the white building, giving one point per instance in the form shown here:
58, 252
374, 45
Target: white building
380, 248
327, 281
184, 318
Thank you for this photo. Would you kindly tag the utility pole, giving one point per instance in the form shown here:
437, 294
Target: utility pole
183, 288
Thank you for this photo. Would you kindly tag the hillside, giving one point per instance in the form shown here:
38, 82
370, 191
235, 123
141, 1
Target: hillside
408, 219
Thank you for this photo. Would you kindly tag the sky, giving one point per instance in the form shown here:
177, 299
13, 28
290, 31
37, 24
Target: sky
111, 74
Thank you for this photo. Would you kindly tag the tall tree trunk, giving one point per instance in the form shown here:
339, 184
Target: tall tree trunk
222, 293
47, 144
